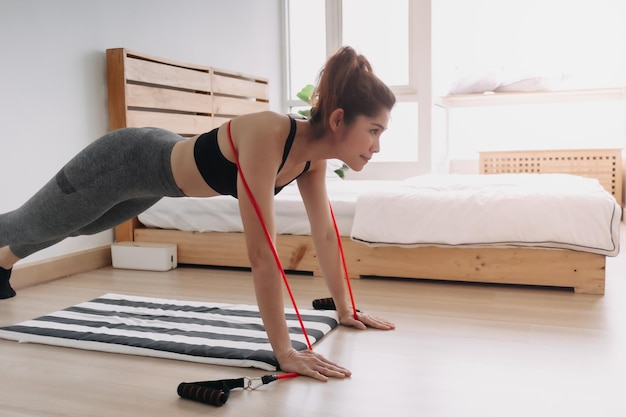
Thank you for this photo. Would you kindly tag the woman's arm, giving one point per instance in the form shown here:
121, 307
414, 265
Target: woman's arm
259, 168
312, 187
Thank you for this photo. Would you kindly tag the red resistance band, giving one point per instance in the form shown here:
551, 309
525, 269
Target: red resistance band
270, 242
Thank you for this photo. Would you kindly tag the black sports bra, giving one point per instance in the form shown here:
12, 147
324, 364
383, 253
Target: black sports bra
221, 174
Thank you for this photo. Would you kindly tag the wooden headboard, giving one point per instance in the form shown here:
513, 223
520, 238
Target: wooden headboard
605, 165
184, 98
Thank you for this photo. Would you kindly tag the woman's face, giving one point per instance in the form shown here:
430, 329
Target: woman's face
361, 140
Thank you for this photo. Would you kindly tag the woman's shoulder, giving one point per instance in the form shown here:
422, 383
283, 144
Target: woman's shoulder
265, 123
267, 116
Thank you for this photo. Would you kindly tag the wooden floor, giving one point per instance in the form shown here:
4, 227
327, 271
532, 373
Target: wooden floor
459, 350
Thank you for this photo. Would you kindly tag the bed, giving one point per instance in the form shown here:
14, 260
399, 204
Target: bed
189, 99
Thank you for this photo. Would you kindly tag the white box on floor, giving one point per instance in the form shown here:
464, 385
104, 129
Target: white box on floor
144, 256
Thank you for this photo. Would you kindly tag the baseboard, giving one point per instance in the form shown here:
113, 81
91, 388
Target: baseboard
61, 266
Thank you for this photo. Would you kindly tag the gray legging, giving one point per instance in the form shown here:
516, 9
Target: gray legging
112, 180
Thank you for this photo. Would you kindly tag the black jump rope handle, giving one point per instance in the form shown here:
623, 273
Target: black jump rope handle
217, 392
204, 394
326, 304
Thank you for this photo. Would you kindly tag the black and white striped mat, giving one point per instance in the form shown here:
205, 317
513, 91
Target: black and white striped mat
222, 334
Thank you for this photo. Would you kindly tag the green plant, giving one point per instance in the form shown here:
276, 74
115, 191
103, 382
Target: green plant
305, 95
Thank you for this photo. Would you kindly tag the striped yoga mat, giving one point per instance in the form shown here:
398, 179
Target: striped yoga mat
222, 334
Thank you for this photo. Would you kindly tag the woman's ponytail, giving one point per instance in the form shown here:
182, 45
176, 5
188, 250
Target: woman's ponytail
348, 82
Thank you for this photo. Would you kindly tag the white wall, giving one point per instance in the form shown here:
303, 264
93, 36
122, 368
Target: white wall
53, 99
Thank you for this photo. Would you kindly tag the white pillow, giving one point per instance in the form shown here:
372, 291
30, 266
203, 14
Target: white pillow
531, 82
471, 81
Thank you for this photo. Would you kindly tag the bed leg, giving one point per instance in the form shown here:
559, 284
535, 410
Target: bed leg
592, 286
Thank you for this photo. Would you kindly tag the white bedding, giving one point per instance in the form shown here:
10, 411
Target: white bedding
221, 214
542, 210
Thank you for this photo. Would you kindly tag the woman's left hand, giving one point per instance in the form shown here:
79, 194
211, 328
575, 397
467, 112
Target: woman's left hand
364, 320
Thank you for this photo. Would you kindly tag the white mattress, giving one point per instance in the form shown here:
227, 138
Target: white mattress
221, 214
539, 210
542, 210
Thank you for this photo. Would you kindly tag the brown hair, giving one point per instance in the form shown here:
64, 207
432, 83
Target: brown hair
347, 82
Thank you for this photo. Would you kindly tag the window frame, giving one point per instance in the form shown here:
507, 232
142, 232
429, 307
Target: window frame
418, 89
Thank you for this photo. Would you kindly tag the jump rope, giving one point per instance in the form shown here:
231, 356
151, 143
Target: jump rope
217, 392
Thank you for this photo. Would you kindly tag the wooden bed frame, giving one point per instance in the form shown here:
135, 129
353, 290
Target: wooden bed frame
190, 99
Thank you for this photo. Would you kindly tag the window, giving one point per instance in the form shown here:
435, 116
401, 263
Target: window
306, 23
380, 31
421, 47
561, 44
377, 29
582, 41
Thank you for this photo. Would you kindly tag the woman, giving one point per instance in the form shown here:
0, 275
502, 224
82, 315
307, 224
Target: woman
126, 171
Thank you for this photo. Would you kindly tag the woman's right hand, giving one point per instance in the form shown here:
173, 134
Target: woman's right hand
311, 364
